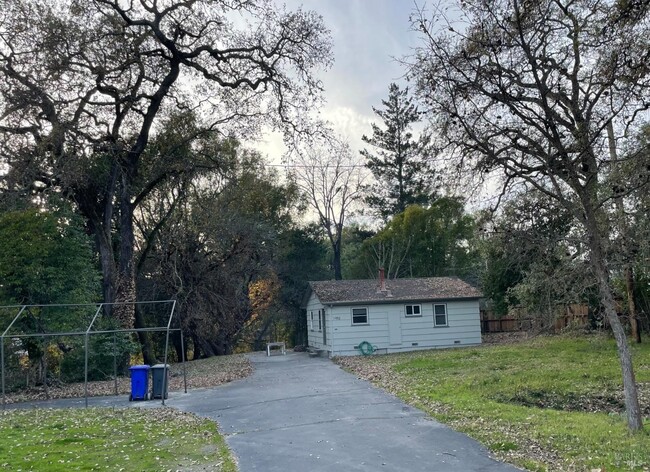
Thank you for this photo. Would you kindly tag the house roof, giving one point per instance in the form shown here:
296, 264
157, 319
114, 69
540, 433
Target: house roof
343, 292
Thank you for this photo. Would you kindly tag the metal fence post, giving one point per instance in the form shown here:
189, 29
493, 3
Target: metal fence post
183, 360
2, 356
115, 361
86, 353
86, 369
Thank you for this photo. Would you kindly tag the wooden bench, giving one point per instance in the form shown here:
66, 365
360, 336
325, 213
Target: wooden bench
281, 347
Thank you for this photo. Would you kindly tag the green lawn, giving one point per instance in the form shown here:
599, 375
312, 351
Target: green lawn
110, 439
551, 403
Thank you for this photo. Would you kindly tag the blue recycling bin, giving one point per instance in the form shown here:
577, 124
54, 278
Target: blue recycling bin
139, 382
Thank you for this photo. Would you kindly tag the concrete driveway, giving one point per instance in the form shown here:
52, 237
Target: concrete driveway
297, 413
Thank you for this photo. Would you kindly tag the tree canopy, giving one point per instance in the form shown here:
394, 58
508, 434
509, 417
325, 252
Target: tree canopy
227, 255
86, 84
45, 258
534, 258
422, 242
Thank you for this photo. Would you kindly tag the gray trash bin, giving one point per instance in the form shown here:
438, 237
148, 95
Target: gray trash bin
157, 377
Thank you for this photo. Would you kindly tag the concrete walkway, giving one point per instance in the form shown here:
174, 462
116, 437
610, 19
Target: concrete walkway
297, 413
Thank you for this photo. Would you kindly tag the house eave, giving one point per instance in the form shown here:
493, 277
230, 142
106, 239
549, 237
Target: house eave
400, 301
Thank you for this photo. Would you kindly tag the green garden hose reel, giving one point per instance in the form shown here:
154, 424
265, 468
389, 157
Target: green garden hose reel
366, 348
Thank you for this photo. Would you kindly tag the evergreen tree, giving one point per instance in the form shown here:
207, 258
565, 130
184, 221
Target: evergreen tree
400, 163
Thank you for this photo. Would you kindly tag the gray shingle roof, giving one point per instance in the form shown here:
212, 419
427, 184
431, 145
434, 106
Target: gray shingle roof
341, 292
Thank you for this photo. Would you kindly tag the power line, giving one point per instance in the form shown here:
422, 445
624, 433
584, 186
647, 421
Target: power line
314, 166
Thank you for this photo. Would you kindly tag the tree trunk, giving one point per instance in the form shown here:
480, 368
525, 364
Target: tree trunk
597, 259
144, 338
631, 306
634, 417
300, 329
107, 263
336, 248
622, 221
97, 209
208, 349
222, 345
125, 289
176, 341
196, 348
259, 343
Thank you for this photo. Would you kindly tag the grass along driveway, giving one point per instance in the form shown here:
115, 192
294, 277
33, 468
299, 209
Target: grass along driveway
119, 439
111, 439
550, 403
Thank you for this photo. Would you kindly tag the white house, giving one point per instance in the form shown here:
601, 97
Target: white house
345, 317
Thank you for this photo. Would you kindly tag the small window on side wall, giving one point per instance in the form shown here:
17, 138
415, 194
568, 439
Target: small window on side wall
311, 321
320, 319
359, 316
413, 310
440, 315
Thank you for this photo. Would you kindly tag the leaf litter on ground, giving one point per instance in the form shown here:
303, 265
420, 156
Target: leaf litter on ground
111, 439
487, 415
201, 373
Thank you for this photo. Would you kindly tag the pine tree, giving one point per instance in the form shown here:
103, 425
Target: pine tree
401, 164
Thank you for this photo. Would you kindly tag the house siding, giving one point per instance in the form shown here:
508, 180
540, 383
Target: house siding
417, 332
314, 335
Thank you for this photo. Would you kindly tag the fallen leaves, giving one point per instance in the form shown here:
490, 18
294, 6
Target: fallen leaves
201, 373
110, 439
553, 403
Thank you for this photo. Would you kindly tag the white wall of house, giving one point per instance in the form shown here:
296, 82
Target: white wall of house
390, 329
314, 328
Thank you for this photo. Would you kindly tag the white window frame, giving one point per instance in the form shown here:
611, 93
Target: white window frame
352, 316
320, 320
311, 323
413, 314
435, 319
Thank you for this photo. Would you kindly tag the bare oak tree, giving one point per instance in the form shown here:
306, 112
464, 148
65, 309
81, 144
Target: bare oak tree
528, 89
84, 85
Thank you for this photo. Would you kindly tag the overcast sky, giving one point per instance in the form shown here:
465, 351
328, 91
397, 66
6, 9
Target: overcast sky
367, 37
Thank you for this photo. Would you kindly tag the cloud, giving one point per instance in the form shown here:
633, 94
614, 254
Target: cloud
349, 124
367, 37
345, 121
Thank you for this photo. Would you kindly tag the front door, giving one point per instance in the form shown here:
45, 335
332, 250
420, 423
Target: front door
394, 329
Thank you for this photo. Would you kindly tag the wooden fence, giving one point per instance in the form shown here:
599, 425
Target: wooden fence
520, 320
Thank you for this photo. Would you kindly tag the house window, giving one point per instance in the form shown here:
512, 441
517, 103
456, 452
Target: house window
320, 320
440, 315
311, 322
359, 316
413, 310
